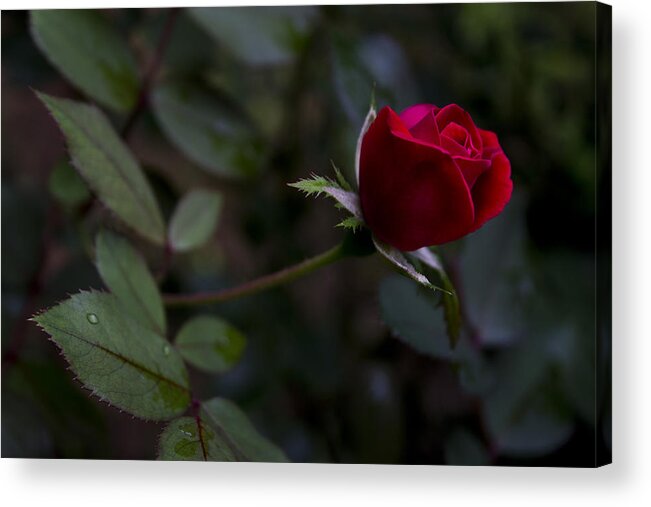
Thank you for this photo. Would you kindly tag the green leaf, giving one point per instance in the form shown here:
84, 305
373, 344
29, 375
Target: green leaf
194, 220
353, 81
126, 274
87, 50
451, 307
314, 185
537, 428
317, 185
210, 343
398, 259
414, 318
182, 441
525, 411
465, 449
119, 360
206, 131
219, 432
451, 310
238, 433
107, 165
67, 187
258, 35
341, 179
375, 65
352, 223
494, 276
565, 312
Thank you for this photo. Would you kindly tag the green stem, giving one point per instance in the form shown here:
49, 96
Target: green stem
265, 282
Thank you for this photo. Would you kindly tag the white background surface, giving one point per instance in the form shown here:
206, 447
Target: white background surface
625, 483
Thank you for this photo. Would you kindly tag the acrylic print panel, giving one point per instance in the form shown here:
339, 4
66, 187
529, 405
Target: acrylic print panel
342, 234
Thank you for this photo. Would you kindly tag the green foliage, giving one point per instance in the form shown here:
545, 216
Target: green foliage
126, 275
107, 165
194, 220
210, 343
451, 307
208, 132
240, 91
398, 259
375, 65
341, 179
494, 279
352, 223
314, 185
119, 360
258, 35
86, 49
188, 439
412, 316
219, 432
317, 185
536, 427
449, 299
67, 187
525, 410
571, 329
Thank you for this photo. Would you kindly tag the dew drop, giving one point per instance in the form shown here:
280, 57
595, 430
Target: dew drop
188, 430
92, 318
166, 350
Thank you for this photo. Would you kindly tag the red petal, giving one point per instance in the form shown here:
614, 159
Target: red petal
412, 115
453, 113
472, 168
457, 133
427, 130
452, 147
492, 191
412, 194
490, 142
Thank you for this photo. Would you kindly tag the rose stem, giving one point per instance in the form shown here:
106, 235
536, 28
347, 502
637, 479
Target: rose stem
265, 282
150, 73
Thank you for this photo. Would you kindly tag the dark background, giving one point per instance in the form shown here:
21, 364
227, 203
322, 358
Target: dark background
324, 376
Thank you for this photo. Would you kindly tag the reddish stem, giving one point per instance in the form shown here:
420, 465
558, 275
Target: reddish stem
196, 413
150, 75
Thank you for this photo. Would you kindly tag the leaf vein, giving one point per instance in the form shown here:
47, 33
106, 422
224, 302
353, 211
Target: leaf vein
134, 364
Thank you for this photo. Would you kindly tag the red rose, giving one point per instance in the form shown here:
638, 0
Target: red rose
430, 176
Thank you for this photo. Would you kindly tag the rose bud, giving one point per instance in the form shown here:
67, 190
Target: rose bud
430, 176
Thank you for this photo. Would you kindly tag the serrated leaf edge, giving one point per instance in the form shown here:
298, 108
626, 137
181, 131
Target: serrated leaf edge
62, 353
154, 214
398, 259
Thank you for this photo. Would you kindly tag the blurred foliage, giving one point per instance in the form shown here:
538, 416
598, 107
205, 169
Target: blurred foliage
321, 375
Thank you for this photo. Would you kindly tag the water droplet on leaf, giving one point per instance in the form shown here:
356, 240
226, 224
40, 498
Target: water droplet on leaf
92, 318
166, 350
189, 430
